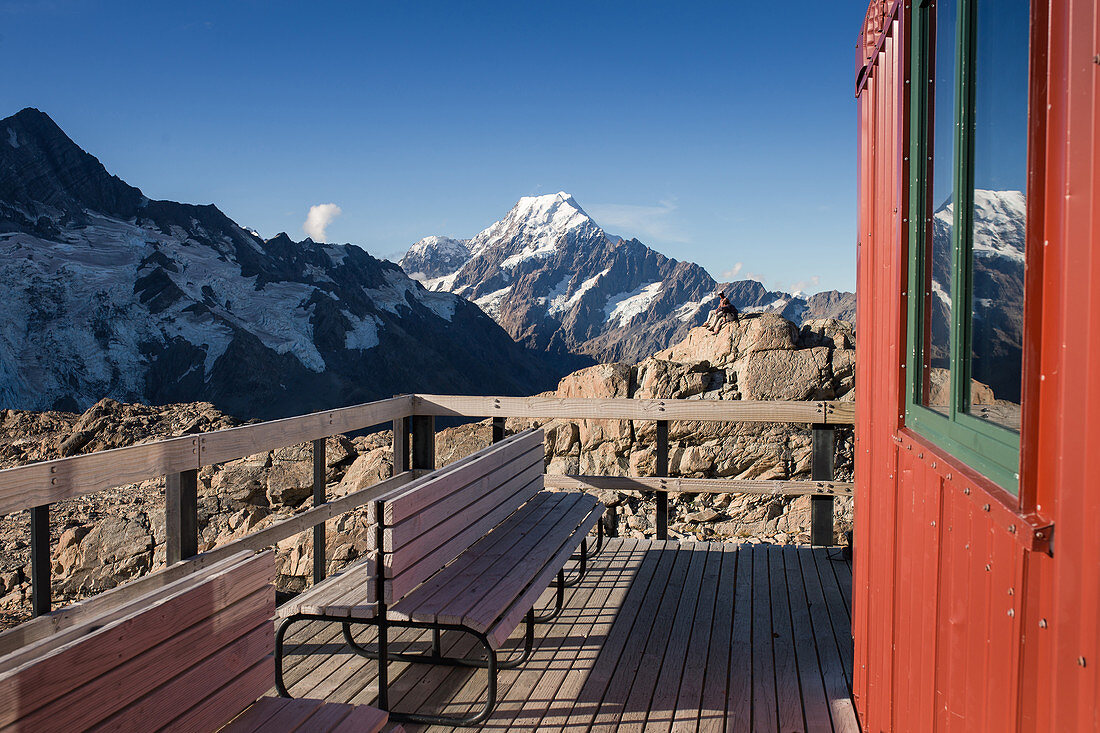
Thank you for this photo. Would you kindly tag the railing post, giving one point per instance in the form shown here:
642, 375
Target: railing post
498, 429
423, 442
821, 469
661, 470
40, 560
319, 499
402, 431
181, 515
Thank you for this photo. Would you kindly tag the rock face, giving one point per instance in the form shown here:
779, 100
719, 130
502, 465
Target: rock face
764, 357
107, 293
558, 283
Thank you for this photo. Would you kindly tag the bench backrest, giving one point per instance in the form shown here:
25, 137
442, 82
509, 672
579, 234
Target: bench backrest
429, 522
191, 654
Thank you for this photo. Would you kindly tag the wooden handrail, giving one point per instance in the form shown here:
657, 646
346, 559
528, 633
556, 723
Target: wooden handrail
47, 482
765, 487
587, 408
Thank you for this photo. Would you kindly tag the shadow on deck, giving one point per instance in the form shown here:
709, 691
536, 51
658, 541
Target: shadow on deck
658, 636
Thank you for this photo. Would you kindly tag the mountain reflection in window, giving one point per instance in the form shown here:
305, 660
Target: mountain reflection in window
999, 211
936, 364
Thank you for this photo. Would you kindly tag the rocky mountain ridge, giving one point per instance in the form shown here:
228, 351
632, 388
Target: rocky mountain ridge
111, 294
557, 282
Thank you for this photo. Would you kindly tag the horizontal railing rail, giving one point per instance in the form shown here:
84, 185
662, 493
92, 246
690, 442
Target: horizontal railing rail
38, 485
761, 487
588, 408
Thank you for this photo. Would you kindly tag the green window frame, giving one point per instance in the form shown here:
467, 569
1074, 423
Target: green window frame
988, 448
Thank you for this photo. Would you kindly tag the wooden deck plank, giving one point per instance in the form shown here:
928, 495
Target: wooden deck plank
688, 705
764, 706
589, 686
740, 690
586, 663
632, 685
712, 707
787, 687
834, 602
837, 686
813, 703
580, 629
670, 668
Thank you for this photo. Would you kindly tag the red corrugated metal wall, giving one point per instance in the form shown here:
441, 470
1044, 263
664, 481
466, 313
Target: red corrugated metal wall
959, 624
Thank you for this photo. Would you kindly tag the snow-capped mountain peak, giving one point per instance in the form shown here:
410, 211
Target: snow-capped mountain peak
434, 256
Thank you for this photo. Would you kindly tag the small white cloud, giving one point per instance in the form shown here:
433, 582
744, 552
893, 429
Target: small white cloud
318, 219
732, 273
803, 285
755, 276
647, 222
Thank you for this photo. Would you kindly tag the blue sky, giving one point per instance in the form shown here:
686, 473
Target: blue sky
722, 133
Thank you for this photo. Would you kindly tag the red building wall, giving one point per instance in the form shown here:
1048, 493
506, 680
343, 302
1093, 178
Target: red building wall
963, 618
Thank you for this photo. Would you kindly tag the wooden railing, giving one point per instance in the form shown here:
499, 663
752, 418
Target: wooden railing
36, 486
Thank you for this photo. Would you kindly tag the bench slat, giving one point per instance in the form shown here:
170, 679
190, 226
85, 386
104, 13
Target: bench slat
212, 712
489, 597
410, 499
160, 665
402, 582
456, 534
474, 499
41, 647
511, 618
357, 580
176, 697
424, 603
39, 681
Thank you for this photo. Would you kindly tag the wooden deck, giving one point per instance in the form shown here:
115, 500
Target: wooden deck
658, 636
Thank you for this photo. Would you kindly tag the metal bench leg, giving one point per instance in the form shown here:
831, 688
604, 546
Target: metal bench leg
582, 566
280, 633
436, 655
491, 665
560, 600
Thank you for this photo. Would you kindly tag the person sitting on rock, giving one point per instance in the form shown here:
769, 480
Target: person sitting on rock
725, 312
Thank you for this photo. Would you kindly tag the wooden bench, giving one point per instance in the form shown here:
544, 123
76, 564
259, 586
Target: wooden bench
191, 655
469, 547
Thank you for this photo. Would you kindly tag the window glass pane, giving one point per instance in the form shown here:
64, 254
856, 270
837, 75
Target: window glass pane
999, 210
935, 361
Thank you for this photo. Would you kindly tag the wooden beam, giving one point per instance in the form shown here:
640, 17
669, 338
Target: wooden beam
821, 469
318, 500
628, 409
699, 485
181, 515
226, 445
40, 560
498, 429
662, 471
402, 433
48, 482
423, 442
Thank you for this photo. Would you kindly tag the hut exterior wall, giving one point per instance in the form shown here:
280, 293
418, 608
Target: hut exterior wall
961, 621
